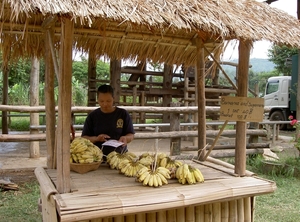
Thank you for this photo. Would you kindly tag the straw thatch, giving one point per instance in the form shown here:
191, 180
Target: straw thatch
162, 30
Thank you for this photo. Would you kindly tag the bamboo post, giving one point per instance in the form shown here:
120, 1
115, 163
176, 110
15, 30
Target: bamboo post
199, 213
233, 211
240, 144
141, 217
180, 214
240, 210
64, 107
50, 103
201, 99
130, 218
207, 212
134, 96
247, 209
115, 78
5, 72
190, 214
185, 97
142, 114
151, 217
216, 212
225, 211
171, 215
175, 143
162, 216
119, 219
92, 75
34, 101
167, 99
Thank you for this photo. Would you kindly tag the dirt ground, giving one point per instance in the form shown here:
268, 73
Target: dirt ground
17, 167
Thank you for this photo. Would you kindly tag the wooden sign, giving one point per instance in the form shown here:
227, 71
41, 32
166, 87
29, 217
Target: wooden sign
242, 109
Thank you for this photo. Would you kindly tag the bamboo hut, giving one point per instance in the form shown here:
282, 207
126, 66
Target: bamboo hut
167, 31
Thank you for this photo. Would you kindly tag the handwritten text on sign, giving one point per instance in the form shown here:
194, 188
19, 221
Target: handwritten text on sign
242, 109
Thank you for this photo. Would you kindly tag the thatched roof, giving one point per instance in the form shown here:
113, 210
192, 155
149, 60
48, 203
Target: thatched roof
163, 30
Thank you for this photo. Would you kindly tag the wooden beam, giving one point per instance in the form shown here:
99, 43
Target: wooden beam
200, 73
50, 105
243, 71
64, 107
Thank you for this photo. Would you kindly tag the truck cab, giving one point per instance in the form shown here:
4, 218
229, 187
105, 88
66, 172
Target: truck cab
277, 98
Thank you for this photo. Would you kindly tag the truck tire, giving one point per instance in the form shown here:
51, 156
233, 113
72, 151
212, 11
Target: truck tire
278, 116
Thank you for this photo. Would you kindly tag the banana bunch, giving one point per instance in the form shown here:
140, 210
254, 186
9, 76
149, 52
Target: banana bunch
169, 163
84, 151
130, 167
187, 174
153, 178
114, 158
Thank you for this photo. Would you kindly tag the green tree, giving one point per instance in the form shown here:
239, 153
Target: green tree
279, 55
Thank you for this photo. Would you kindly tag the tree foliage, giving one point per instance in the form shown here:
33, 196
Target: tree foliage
279, 56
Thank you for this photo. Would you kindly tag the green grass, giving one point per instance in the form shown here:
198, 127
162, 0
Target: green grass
283, 205
20, 205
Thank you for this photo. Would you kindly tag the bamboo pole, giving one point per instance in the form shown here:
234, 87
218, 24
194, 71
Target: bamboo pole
141, 217
216, 212
247, 209
207, 212
130, 218
199, 213
240, 210
201, 99
233, 211
190, 214
5, 72
243, 69
92, 75
151, 217
118, 219
171, 215
180, 214
34, 101
50, 105
64, 107
224, 211
161, 216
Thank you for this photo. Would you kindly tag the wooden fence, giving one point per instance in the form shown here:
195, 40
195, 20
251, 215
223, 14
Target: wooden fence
186, 130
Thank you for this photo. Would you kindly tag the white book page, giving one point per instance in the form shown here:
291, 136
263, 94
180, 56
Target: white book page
113, 143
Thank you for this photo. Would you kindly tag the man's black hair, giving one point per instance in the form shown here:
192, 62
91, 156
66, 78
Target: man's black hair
106, 89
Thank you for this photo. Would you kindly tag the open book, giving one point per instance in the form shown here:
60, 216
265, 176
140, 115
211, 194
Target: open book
113, 143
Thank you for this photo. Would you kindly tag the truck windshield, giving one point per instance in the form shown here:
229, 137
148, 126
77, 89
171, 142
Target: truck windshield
272, 87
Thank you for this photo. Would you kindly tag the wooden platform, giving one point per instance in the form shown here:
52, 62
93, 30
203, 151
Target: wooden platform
105, 193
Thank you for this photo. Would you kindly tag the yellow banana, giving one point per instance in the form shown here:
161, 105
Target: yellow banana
155, 182
185, 170
89, 160
164, 171
189, 178
198, 175
162, 178
146, 180
142, 177
150, 183
142, 171
158, 179
164, 162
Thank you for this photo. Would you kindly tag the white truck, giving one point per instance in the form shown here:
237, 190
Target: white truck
280, 95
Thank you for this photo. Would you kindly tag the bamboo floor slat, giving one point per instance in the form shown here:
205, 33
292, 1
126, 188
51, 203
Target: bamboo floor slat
106, 193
